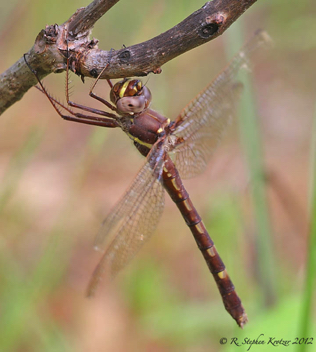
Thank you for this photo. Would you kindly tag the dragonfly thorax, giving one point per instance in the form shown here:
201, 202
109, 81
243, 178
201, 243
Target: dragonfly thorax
130, 96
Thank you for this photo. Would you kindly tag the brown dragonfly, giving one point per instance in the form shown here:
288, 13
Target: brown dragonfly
172, 149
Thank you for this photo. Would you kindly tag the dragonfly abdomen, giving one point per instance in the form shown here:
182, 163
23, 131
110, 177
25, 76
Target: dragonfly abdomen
174, 186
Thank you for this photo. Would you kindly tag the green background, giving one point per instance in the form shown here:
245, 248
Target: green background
59, 180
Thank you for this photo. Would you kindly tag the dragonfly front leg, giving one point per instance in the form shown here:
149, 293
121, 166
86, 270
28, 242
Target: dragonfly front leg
94, 96
109, 119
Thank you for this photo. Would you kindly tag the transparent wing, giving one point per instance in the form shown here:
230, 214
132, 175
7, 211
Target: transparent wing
202, 124
132, 220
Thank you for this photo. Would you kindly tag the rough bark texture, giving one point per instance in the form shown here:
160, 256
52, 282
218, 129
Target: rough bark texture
73, 37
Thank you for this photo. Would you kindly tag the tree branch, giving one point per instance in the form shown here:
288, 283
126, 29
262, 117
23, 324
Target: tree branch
52, 45
89, 16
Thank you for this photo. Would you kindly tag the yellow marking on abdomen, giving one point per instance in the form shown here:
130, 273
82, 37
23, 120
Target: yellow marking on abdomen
174, 184
199, 227
211, 251
166, 171
222, 274
187, 205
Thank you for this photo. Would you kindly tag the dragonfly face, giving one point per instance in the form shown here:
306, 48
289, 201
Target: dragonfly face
130, 96
143, 125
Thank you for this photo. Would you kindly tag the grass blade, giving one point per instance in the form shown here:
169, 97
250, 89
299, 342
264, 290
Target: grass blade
310, 281
251, 140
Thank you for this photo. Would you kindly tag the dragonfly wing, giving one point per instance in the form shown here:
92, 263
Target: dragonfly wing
202, 124
132, 220
206, 125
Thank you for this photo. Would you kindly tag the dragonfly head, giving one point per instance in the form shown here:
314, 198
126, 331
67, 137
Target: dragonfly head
130, 96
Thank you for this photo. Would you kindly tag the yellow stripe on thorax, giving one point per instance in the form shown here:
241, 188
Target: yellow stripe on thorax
137, 140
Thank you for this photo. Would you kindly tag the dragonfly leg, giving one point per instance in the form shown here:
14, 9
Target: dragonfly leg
95, 96
110, 120
86, 108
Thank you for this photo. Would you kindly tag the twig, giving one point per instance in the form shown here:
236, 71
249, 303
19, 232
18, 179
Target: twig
50, 49
89, 16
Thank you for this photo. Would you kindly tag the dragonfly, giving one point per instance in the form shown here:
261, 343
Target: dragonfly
174, 150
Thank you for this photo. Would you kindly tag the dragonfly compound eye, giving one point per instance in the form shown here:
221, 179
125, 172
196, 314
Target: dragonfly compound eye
130, 96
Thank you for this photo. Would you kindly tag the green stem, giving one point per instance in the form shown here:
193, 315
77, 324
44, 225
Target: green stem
310, 282
252, 145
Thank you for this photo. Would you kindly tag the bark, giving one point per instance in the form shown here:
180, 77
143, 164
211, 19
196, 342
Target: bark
55, 42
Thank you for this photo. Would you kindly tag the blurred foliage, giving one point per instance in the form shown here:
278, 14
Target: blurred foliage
58, 180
